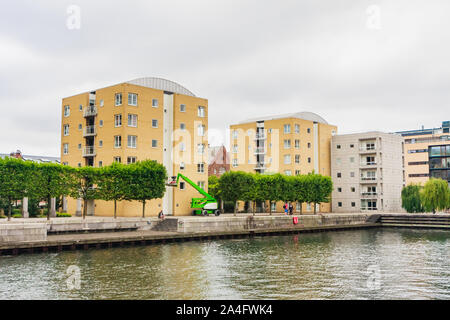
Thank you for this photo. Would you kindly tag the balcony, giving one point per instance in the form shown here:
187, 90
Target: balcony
260, 166
368, 164
372, 180
90, 111
89, 131
369, 208
89, 151
260, 150
260, 136
368, 194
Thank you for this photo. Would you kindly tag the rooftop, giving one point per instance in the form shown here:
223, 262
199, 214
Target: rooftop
305, 115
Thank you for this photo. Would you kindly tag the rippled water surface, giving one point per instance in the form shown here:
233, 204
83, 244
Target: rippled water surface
359, 264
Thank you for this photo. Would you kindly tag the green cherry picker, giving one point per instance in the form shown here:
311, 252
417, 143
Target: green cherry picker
202, 206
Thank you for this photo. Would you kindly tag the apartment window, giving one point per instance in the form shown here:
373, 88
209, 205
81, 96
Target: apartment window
154, 143
200, 167
309, 159
338, 174
235, 163
201, 130
80, 107
352, 174
131, 141
287, 143
235, 134
182, 185
132, 120
182, 108
154, 123
100, 164
339, 189
287, 159
287, 128
338, 161
66, 129
352, 159
201, 111
118, 120
117, 141
352, 189
79, 165
131, 160
66, 148
201, 184
102, 103
235, 148
353, 204
308, 130
352, 146
297, 158
297, 172
100, 143
66, 111
269, 130
80, 126
132, 99
100, 123
65, 163
309, 145
182, 166
297, 144
338, 146
79, 146
118, 99
339, 204
182, 146
200, 148
182, 126
118, 159
155, 103
297, 128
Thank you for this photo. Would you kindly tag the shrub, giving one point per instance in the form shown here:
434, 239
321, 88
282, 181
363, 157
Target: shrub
2, 217
63, 214
16, 215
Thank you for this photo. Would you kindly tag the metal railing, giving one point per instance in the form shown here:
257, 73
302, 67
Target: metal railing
89, 151
260, 150
369, 208
90, 111
89, 131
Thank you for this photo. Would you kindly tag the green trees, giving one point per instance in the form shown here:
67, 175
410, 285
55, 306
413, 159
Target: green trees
435, 195
147, 181
237, 185
141, 181
411, 199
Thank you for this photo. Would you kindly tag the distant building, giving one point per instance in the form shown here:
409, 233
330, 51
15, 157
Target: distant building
40, 159
417, 157
367, 172
439, 162
219, 161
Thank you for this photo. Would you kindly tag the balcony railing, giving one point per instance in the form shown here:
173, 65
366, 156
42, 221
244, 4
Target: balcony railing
368, 178
372, 163
260, 136
369, 193
260, 166
369, 208
90, 111
260, 150
89, 131
366, 148
89, 151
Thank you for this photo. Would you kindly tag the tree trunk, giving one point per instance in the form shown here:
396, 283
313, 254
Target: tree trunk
301, 208
270, 207
143, 208
84, 208
222, 206
9, 209
315, 206
235, 207
49, 205
254, 207
115, 209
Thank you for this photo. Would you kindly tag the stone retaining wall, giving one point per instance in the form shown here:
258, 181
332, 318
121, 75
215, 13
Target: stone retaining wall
243, 223
22, 232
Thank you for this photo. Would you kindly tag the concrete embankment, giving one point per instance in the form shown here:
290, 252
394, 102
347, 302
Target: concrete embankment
76, 234
433, 221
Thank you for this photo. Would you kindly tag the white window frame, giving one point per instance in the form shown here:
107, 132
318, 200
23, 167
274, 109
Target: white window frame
132, 120
156, 143
66, 111
130, 139
287, 159
132, 158
65, 148
118, 99
117, 159
201, 130
117, 120
66, 130
182, 126
287, 128
200, 148
201, 111
287, 143
201, 167
154, 123
153, 103
297, 128
132, 99
182, 107
117, 142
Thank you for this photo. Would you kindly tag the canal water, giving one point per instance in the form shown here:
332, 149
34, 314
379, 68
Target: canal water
358, 264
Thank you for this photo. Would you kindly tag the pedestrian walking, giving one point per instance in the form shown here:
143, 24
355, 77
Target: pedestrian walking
291, 209
286, 208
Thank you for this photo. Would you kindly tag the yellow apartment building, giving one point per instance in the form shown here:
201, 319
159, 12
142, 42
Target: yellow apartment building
291, 144
418, 165
146, 118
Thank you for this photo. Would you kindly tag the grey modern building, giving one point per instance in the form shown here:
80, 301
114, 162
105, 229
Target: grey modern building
367, 172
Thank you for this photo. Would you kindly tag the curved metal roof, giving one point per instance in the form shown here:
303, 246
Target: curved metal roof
305, 115
161, 84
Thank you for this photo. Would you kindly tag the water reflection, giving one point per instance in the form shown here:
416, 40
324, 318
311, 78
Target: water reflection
408, 264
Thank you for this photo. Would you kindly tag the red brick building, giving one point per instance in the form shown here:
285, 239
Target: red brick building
219, 161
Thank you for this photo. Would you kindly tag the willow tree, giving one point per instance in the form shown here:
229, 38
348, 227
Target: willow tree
411, 198
435, 195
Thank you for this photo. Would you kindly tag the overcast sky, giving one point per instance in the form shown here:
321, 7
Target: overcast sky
361, 65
